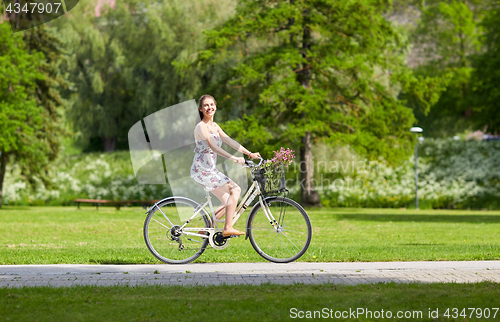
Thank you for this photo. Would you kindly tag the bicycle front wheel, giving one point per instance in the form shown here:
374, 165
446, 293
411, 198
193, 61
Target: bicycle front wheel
290, 238
162, 231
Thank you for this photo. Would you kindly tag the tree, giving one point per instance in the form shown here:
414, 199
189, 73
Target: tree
446, 37
122, 64
21, 119
315, 70
43, 39
486, 76
100, 72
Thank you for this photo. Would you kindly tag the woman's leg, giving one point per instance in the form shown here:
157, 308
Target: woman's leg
234, 192
228, 194
220, 211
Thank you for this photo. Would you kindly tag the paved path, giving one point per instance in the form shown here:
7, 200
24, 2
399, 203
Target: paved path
249, 273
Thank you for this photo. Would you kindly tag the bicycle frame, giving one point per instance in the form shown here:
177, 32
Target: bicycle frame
250, 195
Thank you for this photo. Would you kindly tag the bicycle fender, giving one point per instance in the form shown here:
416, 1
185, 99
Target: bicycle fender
170, 198
164, 199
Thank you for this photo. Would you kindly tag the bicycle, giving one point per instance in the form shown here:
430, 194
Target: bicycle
177, 230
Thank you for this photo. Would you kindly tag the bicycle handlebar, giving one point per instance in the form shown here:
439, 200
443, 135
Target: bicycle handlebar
251, 164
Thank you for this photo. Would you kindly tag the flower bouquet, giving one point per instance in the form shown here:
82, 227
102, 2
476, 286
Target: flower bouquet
271, 174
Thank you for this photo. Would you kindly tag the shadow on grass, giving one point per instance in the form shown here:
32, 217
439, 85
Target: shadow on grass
17, 208
114, 262
422, 218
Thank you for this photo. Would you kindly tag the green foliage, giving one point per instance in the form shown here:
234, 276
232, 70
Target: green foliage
250, 130
452, 174
334, 69
451, 31
423, 92
101, 72
45, 40
476, 164
447, 35
21, 118
96, 176
486, 77
122, 63
18, 72
270, 176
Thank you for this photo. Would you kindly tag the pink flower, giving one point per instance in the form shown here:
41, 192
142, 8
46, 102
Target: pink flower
283, 156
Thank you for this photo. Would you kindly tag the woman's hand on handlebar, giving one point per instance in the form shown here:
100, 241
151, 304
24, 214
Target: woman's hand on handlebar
239, 160
254, 155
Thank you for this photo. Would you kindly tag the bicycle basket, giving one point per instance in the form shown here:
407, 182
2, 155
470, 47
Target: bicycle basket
271, 178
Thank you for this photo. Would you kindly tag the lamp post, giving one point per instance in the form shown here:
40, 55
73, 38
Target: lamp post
416, 130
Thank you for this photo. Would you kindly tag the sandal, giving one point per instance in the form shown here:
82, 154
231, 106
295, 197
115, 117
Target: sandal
226, 233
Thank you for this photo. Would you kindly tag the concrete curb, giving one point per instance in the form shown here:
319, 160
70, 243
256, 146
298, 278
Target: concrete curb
249, 273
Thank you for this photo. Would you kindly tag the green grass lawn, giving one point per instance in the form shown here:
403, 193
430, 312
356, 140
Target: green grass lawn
253, 303
52, 235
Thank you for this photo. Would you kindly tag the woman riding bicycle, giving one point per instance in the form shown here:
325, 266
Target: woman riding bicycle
209, 137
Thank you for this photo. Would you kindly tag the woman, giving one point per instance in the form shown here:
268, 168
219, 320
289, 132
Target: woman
209, 137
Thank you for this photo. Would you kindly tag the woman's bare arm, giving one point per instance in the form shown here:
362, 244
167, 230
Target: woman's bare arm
201, 132
232, 143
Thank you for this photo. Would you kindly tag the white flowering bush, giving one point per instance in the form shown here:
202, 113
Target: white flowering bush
93, 176
452, 174
471, 167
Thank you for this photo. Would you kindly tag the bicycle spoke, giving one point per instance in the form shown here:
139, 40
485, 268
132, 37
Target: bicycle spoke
296, 247
161, 224
287, 242
164, 215
170, 244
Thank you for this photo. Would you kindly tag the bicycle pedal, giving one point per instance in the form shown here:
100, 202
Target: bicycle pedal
231, 236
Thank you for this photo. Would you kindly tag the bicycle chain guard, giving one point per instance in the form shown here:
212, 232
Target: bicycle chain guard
217, 241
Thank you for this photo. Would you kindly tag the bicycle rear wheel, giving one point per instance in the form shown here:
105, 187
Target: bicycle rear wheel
163, 237
290, 240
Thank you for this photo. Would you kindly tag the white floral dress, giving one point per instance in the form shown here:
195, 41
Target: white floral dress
204, 169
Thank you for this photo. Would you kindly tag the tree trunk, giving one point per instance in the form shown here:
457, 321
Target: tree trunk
3, 165
309, 196
109, 143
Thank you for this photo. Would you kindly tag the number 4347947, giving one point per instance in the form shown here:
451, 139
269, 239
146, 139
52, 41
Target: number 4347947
33, 7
